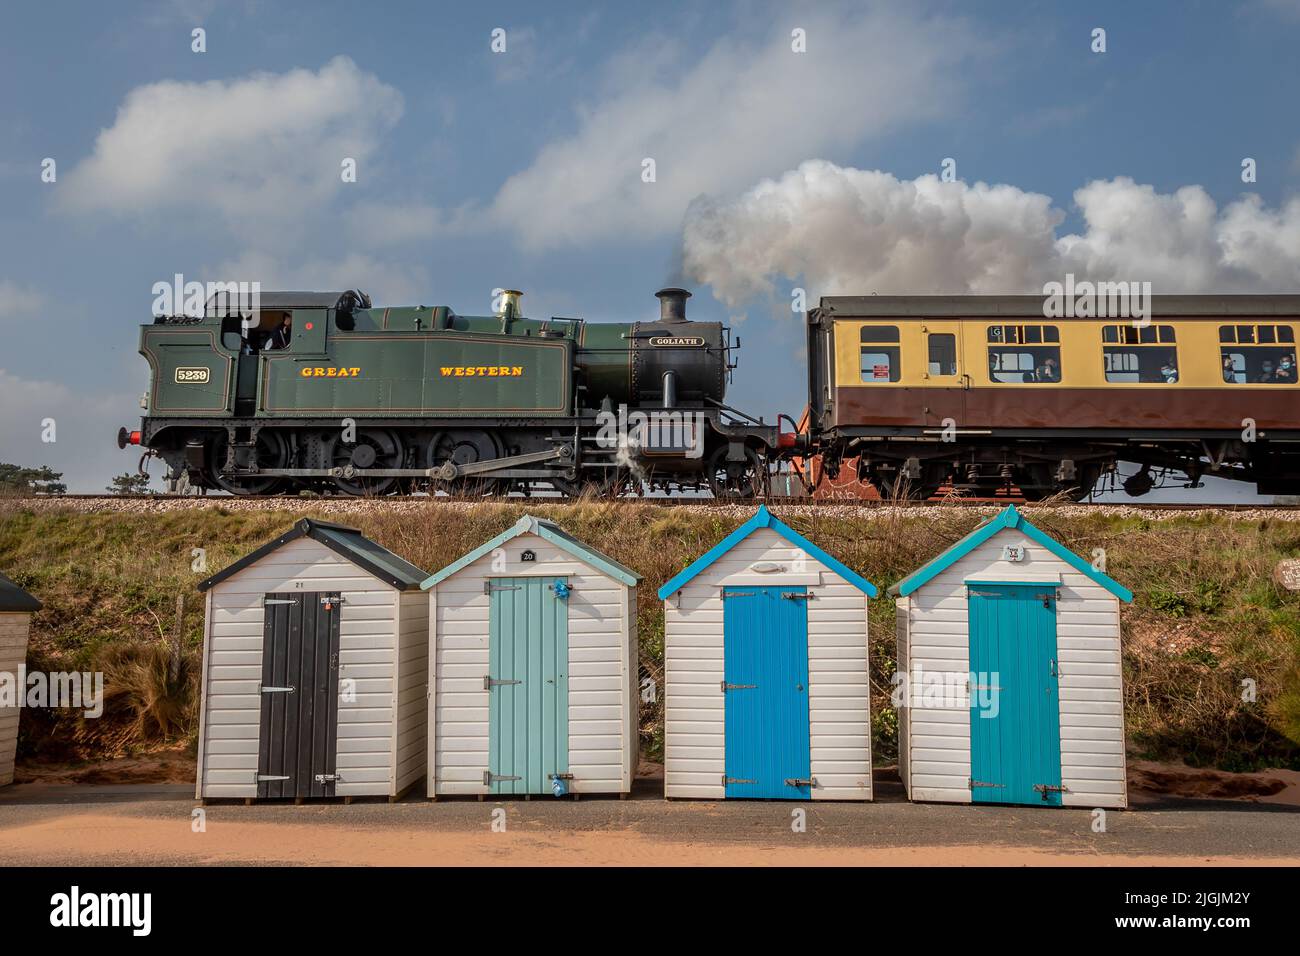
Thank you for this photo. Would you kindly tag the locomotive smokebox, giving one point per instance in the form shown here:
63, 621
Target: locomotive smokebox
672, 305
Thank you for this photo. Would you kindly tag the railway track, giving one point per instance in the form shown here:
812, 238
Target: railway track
344, 504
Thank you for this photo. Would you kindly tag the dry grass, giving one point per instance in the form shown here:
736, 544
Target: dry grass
1206, 618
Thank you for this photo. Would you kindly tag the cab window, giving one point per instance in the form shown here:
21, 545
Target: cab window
1024, 354
880, 358
1144, 355
1257, 354
942, 353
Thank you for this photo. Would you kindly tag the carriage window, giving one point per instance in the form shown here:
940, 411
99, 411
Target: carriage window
943, 353
1142, 355
880, 362
1025, 354
1257, 354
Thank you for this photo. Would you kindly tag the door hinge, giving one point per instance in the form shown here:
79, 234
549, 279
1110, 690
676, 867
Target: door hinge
278, 690
972, 783
1046, 788
559, 776
328, 777
800, 782
490, 778
730, 594
268, 778
280, 601
489, 587
335, 600
726, 687
490, 682
797, 596
726, 780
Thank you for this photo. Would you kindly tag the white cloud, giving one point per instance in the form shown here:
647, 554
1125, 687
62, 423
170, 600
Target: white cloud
841, 230
266, 145
18, 300
742, 111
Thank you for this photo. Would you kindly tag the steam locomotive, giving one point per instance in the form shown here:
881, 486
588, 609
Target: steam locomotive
323, 391
982, 395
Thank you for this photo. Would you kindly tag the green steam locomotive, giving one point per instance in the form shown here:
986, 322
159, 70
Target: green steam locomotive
323, 391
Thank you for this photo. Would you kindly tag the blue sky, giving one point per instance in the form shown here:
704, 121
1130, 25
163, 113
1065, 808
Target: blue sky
479, 169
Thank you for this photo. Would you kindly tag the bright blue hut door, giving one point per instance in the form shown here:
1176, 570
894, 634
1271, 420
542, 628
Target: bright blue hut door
765, 665
1015, 718
528, 684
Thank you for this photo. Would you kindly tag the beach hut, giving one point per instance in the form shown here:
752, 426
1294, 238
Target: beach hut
313, 670
1009, 679
767, 693
16, 610
534, 666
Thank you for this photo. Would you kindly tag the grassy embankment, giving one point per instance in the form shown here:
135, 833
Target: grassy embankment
1206, 616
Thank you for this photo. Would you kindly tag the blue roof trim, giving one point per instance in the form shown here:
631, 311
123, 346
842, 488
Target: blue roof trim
1010, 518
764, 519
548, 532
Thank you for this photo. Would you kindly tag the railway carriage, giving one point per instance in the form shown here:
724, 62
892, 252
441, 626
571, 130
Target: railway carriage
985, 393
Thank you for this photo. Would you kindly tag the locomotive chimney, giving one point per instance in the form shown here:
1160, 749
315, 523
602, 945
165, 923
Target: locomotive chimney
510, 303
672, 305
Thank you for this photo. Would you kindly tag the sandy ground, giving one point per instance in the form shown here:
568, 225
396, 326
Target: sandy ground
101, 838
153, 824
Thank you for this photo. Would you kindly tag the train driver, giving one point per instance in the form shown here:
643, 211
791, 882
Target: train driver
280, 336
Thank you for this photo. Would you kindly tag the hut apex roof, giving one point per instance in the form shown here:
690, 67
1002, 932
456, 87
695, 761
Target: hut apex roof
1009, 517
548, 531
14, 598
765, 519
348, 542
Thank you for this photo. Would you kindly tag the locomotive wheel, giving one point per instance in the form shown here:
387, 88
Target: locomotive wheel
735, 480
374, 448
463, 448
271, 451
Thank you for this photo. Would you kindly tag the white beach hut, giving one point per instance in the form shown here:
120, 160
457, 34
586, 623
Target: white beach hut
1010, 680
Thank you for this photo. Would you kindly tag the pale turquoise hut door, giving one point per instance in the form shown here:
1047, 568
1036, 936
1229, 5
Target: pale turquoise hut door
528, 684
1015, 701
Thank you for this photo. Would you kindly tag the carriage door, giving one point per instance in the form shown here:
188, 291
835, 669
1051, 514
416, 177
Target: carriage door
527, 684
765, 693
946, 381
1015, 717
299, 695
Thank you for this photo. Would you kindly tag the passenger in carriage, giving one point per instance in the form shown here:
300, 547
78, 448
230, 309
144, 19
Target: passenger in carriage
1286, 371
1047, 372
1266, 373
1229, 370
1169, 371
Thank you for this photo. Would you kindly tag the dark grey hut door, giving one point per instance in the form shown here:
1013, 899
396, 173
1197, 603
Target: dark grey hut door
300, 695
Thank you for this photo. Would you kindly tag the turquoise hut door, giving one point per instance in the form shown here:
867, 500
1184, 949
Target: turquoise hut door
765, 687
527, 684
1015, 717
